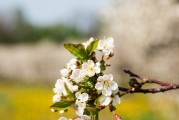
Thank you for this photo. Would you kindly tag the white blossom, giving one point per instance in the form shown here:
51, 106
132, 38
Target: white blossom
65, 72
72, 64
106, 45
77, 75
88, 42
56, 98
81, 102
116, 100
104, 100
106, 84
89, 68
60, 88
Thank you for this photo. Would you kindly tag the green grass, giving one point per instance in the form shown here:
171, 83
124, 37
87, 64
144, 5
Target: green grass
32, 101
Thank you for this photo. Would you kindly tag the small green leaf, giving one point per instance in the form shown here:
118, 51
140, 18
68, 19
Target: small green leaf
96, 102
112, 108
62, 104
70, 94
92, 46
77, 50
87, 83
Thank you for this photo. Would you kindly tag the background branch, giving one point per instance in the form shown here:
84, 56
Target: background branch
136, 86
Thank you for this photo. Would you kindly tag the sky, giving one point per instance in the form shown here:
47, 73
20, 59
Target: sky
45, 12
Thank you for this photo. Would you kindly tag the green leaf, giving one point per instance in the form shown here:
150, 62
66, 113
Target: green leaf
112, 108
77, 50
92, 46
70, 94
62, 104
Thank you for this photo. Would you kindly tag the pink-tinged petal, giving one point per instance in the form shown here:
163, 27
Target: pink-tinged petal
99, 86
117, 117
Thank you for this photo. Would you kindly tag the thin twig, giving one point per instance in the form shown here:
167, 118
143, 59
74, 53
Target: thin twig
134, 89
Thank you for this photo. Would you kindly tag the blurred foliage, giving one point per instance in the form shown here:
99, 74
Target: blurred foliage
24, 32
22, 101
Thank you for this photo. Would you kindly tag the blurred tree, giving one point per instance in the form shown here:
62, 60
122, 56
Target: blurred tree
24, 32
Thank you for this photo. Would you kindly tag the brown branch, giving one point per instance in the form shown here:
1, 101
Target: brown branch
136, 87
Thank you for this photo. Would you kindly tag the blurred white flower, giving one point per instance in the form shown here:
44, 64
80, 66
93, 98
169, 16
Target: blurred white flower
72, 64
116, 100
81, 102
89, 68
56, 98
60, 87
65, 72
106, 45
77, 75
106, 84
81, 97
104, 100
88, 42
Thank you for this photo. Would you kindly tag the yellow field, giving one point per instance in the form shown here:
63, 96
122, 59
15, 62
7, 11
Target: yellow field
31, 102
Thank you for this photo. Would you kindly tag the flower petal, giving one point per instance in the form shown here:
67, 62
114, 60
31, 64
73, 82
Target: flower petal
113, 85
97, 70
116, 100
64, 72
56, 98
106, 91
99, 86
110, 77
79, 111
85, 96
104, 101
78, 95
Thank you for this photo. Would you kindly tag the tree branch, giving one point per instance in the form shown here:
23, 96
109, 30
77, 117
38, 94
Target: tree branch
136, 86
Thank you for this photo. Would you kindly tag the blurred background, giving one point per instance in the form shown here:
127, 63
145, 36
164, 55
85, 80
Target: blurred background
32, 34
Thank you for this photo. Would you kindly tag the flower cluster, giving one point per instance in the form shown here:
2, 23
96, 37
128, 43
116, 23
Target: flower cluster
83, 84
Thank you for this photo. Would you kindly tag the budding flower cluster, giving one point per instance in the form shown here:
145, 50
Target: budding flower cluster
83, 84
